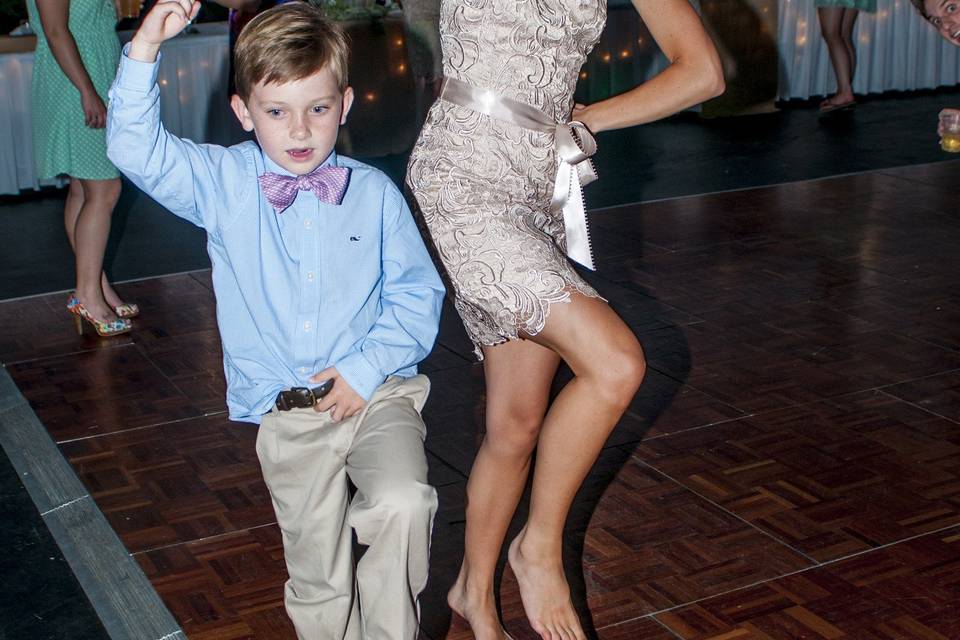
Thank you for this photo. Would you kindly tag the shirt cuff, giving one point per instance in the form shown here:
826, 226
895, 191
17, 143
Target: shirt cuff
360, 374
136, 75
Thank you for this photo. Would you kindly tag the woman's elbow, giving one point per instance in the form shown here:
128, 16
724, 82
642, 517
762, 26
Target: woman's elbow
711, 78
716, 85
707, 86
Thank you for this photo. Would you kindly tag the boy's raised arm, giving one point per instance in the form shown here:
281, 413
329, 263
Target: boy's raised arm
185, 177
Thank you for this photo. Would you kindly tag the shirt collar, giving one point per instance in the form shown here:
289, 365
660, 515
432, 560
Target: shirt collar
269, 166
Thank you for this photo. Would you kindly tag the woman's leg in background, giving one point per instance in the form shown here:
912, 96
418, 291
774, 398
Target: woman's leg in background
87, 214
831, 24
847, 24
71, 211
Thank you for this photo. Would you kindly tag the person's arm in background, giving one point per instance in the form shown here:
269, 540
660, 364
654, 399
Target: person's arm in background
54, 20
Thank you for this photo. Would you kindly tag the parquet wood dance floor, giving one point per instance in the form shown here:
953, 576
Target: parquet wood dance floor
790, 468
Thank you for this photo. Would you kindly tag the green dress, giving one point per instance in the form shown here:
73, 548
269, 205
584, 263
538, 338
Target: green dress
863, 5
62, 143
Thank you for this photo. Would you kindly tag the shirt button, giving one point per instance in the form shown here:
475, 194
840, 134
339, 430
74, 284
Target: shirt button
307, 224
306, 326
309, 276
303, 369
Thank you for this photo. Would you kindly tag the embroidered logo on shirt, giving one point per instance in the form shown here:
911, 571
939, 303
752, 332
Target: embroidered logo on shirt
354, 238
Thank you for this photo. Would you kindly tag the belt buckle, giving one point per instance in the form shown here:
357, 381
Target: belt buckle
295, 398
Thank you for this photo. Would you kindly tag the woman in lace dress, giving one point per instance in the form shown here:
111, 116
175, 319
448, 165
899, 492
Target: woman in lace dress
485, 174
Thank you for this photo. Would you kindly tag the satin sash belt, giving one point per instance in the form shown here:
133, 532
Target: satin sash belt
574, 145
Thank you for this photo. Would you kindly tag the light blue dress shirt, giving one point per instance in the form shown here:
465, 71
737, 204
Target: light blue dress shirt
348, 286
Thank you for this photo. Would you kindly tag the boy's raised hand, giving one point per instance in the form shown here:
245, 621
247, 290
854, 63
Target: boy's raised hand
165, 20
342, 401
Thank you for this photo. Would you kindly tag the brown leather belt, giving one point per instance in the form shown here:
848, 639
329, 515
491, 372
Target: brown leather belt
302, 397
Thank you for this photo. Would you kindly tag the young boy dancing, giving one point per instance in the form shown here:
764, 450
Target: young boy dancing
320, 276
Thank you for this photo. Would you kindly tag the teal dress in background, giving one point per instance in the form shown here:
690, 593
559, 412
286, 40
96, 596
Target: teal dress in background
62, 143
863, 5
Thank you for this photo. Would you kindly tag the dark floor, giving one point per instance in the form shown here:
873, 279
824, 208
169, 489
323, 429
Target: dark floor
41, 599
790, 468
683, 156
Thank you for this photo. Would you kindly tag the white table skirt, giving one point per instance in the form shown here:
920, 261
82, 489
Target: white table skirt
193, 100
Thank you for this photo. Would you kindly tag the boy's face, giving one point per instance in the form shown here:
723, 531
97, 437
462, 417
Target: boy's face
296, 122
945, 16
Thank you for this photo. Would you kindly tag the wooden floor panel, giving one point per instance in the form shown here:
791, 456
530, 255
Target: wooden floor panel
830, 478
906, 591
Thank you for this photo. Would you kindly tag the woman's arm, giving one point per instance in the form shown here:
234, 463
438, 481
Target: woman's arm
54, 18
694, 75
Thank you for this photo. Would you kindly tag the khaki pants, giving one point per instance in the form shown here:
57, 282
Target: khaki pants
306, 460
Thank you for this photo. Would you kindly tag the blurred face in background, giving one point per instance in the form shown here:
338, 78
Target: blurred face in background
944, 15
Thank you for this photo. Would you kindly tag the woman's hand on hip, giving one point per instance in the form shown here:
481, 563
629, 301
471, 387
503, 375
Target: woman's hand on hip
580, 114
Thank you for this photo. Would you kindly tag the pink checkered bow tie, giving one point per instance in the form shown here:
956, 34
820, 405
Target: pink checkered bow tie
327, 183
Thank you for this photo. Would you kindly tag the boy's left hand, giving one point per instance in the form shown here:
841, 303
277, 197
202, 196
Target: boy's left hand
342, 401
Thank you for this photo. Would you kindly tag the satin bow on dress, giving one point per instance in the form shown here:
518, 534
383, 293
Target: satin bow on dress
574, 145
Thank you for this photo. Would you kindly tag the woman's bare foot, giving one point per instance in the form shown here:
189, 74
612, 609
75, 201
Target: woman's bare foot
479, 611
837, 101
544, 591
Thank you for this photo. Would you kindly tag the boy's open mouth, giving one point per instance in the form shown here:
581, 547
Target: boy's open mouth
300, 154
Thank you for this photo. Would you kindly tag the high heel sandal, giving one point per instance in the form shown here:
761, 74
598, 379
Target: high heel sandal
127, 310
103, 329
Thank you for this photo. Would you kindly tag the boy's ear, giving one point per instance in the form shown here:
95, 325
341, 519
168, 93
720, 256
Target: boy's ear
347, 103
240, 109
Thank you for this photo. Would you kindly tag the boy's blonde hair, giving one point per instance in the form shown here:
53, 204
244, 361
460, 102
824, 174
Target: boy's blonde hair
289, 42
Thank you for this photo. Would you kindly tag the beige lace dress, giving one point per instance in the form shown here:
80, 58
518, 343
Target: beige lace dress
483, 186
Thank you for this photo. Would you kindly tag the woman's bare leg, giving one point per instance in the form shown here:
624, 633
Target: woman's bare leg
518, 378
831, 24
71, 211
847, 23
608, 366
90, 228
